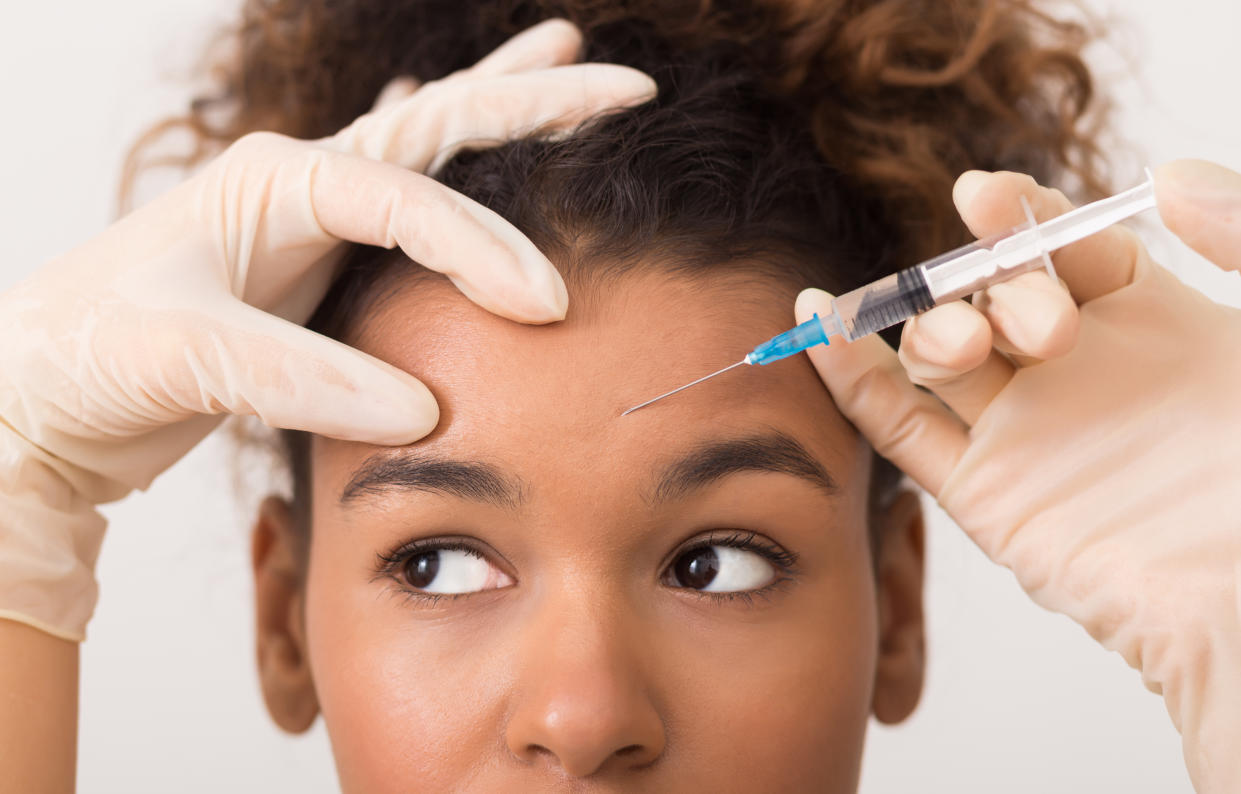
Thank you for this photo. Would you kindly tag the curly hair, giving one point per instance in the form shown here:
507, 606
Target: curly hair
810, 143
899, 95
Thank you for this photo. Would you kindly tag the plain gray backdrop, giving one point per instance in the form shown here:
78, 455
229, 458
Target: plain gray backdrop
1017, 699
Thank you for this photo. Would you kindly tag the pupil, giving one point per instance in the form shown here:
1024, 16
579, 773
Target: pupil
421, 569
697, 568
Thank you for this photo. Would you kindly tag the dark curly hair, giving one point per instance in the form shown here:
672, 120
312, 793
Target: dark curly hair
810, 143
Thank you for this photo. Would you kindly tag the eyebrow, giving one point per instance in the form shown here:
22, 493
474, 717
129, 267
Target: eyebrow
481, 482
409, 471
772, 452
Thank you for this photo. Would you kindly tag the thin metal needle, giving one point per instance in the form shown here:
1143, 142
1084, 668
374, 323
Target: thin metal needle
683, 388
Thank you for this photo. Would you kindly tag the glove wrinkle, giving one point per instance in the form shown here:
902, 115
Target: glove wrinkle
124, 353
1131, 534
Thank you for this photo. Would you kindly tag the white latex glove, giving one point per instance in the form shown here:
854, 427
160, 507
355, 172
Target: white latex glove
121, 355
1091, 439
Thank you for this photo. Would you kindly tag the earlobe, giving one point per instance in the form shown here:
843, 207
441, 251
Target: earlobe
901, 663
284, 667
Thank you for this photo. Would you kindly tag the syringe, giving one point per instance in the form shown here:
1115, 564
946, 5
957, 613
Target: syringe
948, 277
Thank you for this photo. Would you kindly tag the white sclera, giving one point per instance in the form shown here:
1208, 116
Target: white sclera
739, 570
463, 572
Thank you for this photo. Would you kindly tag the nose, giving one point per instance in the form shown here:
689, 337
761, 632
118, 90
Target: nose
581, 702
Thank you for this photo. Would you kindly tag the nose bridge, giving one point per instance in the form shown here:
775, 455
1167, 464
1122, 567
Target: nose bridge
583, 701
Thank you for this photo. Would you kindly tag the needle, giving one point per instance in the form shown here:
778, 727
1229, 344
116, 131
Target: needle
686, 386
899, 296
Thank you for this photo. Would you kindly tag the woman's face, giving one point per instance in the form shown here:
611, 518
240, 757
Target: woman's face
544, 594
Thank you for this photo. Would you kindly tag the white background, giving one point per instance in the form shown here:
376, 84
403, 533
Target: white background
1017, 699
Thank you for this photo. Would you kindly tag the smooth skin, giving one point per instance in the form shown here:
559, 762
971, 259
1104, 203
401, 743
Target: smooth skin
580, 665
38, 672
39, 698
126, 351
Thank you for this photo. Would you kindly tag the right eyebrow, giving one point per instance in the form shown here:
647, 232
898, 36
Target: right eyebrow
772, 452
411, 471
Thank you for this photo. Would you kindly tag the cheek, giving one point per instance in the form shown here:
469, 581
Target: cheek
404, 704
796, 691
763, 702
770, 697
832, 682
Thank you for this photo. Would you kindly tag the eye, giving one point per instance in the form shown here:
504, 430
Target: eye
451, 570
721, 569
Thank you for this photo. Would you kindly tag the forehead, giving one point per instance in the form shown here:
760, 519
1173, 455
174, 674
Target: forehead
549, 398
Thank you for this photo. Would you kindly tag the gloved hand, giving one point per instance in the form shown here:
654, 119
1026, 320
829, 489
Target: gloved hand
1089, 440
121, 355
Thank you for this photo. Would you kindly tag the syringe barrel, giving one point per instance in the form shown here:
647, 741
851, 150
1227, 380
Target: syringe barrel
883, 303
947, 277
980, 264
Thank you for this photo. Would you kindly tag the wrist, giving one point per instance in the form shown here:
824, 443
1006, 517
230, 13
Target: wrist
49, 542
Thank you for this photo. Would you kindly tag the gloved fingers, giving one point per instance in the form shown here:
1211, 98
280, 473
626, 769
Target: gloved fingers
297, 303
990, 203
965, 354
904, 424
283, 204
245, 361
487, 258
549, 102
552, 42
397, 90
1201, 203
442, 117
1032, 318
949, 351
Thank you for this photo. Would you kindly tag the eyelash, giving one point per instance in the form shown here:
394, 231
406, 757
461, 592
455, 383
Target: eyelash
785, 562
389, 564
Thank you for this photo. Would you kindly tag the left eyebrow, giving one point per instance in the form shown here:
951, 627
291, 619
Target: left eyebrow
773, 452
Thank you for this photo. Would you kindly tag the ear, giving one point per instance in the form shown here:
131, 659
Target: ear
902, 637
284, 668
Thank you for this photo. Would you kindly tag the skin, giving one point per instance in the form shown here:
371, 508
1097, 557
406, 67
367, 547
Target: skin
39, 697
591, 667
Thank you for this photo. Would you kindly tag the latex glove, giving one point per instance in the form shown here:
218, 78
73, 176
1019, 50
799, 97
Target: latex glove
1089, 440
121, 355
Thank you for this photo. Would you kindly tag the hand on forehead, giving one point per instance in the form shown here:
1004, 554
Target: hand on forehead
513, 390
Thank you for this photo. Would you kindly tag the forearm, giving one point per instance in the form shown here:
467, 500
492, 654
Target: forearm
38, 711
47, 547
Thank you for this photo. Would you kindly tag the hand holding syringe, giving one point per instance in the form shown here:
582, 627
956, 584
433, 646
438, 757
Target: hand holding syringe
948, 277
1103, 473
1088, 438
